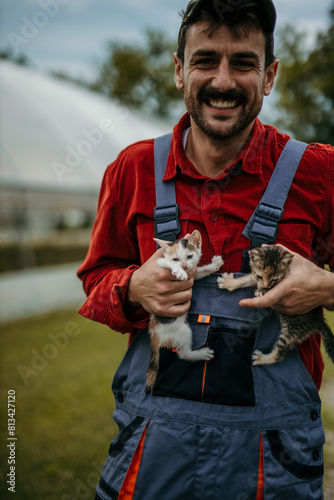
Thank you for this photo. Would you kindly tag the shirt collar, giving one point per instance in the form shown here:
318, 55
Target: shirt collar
250, 157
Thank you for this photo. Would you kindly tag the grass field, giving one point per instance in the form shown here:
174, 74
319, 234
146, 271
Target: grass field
60, 367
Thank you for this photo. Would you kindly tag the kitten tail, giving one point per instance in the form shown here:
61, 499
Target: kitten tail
153, 365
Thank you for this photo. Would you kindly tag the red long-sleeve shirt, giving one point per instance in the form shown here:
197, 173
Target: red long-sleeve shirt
122, 236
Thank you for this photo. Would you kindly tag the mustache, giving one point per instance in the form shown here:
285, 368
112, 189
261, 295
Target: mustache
215, 94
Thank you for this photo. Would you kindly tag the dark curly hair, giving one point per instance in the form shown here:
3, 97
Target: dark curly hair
238, 15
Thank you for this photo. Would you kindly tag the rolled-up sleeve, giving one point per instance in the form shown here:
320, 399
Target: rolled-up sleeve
112, 257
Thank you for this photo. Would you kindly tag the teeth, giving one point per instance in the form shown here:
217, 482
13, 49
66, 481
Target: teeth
223, 104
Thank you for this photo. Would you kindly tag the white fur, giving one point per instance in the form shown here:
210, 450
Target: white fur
174, 268
202, 271
211, 268
227, 281
179, 335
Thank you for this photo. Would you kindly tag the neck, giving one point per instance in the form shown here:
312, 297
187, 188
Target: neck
212, 157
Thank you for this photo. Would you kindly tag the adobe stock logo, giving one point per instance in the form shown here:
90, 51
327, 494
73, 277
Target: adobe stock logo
40, 19
40, 359
91, 139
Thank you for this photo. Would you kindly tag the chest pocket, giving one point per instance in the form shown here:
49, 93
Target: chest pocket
217, 321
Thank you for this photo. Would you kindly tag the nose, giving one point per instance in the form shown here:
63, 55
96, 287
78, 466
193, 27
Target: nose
223, 78
184, 265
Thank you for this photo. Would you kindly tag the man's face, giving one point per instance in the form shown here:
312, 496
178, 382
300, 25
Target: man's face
224, 79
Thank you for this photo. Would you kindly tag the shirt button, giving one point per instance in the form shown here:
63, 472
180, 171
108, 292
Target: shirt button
315, 455
314, 415
214, 217
120, 398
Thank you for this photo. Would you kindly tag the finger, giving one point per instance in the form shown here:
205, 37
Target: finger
188, 283
177, 310
192, 272
252, 303
164, 302
176, 298
281, 246
172, 310
270, 299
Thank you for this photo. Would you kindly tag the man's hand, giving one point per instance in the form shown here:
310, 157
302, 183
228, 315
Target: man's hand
305, 287
158, 292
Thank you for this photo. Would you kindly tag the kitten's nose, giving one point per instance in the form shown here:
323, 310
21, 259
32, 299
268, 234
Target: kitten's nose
184, 265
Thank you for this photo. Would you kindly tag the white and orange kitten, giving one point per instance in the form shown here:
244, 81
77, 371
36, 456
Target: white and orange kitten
179, 257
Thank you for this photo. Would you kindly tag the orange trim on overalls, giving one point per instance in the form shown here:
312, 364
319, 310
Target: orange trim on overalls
204, 318
203, 381
129, 483
260, 480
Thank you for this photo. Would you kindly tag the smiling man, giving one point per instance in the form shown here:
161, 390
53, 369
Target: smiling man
224, 78
221, 429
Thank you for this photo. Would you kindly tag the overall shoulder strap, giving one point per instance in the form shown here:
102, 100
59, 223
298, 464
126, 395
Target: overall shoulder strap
166, 213
263, 225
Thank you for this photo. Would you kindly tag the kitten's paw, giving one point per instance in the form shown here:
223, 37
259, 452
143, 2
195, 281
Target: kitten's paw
259, 293
207, 354
217, 262
180, 274
257, 357
226, 282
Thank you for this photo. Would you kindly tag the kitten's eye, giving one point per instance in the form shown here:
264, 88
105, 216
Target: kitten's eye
189, 257
258, 277
176, 259
275, 280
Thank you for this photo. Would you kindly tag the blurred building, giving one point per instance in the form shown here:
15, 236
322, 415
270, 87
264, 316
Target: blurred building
56, 141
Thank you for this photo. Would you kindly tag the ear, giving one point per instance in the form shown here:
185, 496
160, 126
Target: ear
255, 255
196, 239
163, 244
178, 74
271, 73
286, 260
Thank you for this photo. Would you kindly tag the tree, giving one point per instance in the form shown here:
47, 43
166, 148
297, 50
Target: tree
305, 85
141, 76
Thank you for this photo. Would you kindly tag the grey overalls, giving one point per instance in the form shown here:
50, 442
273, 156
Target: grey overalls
197, 437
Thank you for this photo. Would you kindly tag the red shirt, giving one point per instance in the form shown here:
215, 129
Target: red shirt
122, 236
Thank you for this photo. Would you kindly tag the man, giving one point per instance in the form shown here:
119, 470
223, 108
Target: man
220, 429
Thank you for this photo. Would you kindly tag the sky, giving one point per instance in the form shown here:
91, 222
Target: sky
72, 35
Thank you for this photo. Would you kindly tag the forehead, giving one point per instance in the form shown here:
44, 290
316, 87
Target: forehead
223, 41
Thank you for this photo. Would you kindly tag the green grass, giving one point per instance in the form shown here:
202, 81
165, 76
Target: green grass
64, 405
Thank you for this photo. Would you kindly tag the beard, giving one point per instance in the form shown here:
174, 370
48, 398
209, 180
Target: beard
247, 114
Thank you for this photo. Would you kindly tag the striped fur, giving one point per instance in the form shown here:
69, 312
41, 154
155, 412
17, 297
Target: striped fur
269, 265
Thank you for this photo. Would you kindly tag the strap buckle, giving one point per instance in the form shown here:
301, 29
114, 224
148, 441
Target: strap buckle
265, 224
263, 230
270, 212
166, 224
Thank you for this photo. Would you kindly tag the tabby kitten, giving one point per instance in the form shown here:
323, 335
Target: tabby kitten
269, 265
179, 257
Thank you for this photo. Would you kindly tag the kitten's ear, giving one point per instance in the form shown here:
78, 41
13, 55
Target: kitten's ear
286, 260
255, 255
163, 244
196, 238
